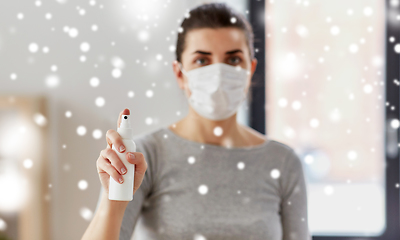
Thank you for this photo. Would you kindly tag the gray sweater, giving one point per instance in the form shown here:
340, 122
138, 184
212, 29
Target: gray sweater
202, 191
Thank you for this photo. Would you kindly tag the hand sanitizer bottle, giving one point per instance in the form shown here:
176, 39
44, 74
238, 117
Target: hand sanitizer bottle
124, 191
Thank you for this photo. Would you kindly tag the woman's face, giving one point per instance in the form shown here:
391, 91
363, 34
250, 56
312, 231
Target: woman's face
208, 46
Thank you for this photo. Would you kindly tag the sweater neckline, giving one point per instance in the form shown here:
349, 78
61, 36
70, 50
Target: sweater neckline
217, 147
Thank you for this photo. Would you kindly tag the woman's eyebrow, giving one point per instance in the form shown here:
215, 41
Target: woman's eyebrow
234, 51
201, 52
229, 52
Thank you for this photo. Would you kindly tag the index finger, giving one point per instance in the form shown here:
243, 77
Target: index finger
126, 111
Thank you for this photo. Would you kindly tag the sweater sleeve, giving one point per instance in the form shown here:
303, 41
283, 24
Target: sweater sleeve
294, 199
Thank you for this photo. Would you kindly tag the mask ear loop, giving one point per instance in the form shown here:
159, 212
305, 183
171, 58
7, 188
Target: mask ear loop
183, 72
181, 68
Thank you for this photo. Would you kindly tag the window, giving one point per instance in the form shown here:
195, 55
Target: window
326, 96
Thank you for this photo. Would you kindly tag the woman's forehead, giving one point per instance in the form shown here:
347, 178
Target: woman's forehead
215, 40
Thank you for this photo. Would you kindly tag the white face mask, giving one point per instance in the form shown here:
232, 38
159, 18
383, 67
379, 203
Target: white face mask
217, 89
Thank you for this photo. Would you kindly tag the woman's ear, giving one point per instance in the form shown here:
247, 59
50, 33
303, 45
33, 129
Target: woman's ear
253, 66
252, 70
178, 74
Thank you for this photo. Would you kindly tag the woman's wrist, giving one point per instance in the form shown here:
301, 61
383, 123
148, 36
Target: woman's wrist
112, 205
107, 221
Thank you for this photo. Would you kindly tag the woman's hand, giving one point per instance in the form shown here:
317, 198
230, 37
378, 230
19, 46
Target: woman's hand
108, 164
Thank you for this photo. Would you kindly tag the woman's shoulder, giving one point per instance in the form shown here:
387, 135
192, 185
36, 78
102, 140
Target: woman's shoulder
148, 137
258, 138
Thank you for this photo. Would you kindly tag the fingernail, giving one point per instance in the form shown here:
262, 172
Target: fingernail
123, 170
131, 155
120, 180
121, 148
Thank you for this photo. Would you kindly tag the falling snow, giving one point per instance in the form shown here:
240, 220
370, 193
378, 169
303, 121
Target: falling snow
100, 101
203, 189
86, 213
275, 173
82, 184
218, 131
94, 82
40, 119
97, 134
240, 165
191, 159
81, 130
28, 163
68, 114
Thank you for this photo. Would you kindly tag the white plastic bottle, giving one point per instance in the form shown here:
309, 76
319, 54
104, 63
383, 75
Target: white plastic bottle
124, 191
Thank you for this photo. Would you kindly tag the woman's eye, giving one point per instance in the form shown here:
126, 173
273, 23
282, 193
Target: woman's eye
199, 61
235, 60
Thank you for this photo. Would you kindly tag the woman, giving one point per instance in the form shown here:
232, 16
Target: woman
206, 176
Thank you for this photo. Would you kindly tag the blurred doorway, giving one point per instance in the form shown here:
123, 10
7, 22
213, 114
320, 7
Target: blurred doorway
25, 190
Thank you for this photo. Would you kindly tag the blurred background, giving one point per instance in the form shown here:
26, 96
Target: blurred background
328, 73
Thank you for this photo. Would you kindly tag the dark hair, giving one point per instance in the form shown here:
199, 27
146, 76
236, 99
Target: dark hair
213, 15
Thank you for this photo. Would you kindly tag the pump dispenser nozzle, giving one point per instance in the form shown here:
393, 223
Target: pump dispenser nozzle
125, 129
125, 122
